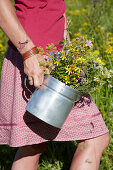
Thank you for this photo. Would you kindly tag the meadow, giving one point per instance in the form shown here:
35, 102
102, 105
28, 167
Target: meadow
94, 19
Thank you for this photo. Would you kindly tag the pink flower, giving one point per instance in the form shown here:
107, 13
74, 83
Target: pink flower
88, 43
45, 57
53, 67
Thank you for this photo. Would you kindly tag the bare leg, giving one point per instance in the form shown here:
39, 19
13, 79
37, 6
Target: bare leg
89, 152
27, 157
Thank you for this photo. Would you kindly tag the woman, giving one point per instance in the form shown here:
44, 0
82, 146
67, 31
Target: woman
37, 23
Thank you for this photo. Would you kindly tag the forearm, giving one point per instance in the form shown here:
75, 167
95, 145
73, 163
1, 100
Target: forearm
12, 26
66, 33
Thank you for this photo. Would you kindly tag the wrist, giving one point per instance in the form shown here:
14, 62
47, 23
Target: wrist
29, 45
33, 51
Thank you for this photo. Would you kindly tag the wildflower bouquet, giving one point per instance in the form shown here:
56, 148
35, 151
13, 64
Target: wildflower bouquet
77, 65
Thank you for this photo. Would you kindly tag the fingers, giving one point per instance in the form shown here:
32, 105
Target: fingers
47, 71
30, 79
41, 77
36, 80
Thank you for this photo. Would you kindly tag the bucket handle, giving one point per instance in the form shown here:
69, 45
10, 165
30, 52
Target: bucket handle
25, 85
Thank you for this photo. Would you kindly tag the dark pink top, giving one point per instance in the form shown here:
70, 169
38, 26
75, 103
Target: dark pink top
42, 20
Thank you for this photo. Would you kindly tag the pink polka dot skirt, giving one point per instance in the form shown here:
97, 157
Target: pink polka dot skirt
19, 128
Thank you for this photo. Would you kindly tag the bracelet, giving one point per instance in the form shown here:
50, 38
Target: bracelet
30, 53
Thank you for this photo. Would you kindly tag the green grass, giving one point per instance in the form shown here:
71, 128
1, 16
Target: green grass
95, 21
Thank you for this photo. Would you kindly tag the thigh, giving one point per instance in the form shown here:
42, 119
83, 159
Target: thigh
31, 150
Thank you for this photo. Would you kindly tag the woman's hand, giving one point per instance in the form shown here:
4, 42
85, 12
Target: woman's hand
34, 71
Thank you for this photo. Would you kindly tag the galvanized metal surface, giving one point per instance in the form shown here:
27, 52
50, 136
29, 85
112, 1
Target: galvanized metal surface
52, 102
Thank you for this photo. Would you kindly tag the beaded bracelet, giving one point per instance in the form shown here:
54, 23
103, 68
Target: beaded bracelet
30, 53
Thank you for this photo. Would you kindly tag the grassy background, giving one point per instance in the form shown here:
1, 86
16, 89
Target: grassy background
94, 19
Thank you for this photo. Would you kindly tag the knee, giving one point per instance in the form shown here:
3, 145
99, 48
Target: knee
106, 139
103, 141
99, 143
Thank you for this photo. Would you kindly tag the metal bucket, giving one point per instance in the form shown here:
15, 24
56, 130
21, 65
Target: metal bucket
52, 102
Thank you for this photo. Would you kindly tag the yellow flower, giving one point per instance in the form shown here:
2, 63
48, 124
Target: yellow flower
72, 49
87, 6
101, 46
98, 89
1, 45
67, 79
2, 52
86, 24
110, 39
76, 12
62, 52
84, 10
57, 62
75, 81
97, 52
97, 29
69, 12
63, 57
2, 48
99, 60
99, 26
80, 60
109, 49
110, 34
77, 70
71, 46
68, 70
77, 35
